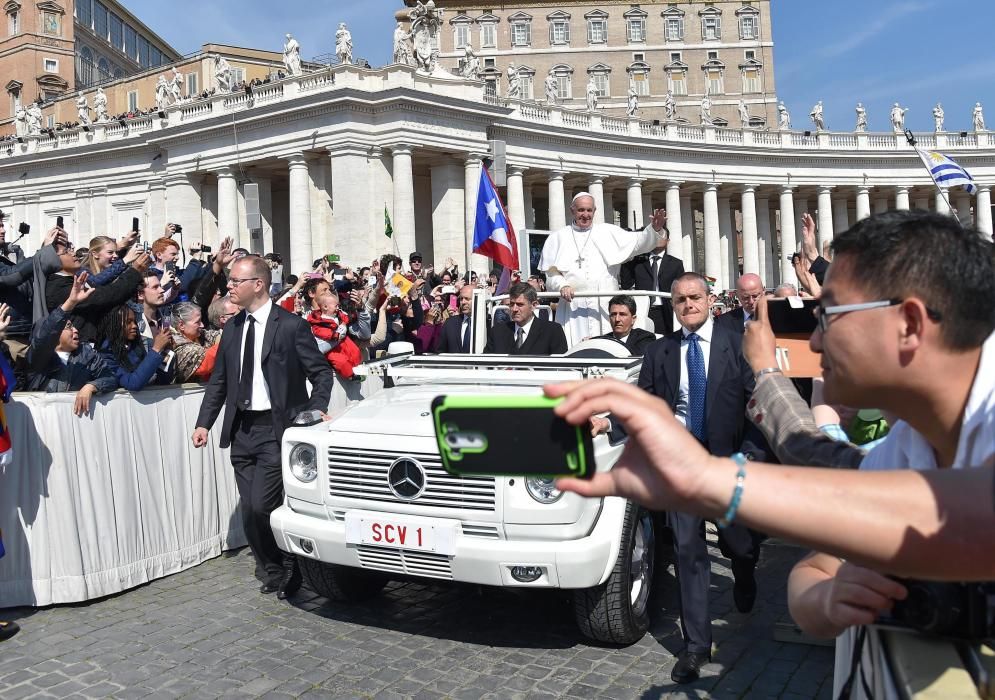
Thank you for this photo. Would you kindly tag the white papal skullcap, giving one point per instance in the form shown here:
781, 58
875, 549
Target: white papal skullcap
581, 194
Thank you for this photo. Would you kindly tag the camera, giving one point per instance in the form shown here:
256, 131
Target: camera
179, 229
954, 610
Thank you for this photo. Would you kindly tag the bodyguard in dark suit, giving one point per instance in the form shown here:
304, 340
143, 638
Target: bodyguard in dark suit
622, 314
701, 373
266, 355
654, 272
749, 290
525, 334
457, 329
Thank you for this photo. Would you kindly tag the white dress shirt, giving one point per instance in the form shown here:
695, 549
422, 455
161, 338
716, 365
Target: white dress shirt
705, 342
260, 390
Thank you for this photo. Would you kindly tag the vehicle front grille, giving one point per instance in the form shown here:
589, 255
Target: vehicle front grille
404, 561
362, 474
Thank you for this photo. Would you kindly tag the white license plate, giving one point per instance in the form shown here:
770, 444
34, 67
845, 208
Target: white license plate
401, 532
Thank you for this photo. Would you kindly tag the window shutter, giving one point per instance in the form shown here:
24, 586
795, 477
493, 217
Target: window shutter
566, 32
680, 28
551, 25
590, 31
718, 27
528, 33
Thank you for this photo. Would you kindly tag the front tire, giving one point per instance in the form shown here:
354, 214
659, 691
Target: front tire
617, 611
341, 583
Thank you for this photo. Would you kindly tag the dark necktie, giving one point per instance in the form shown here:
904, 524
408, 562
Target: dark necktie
466, 334
520, 338
697, 383
656, 274
245, 378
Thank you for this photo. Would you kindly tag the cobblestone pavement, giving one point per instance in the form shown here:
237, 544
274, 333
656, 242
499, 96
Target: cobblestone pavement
208, 632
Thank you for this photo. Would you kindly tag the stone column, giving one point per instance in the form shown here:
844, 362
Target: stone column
597, 189
471, 183
863, 202
902, 198
403, 219
609, 197
880, 204
751, 243
228, 208
557, 205
726, 234
841, 215
942, 195
530, 219
647, 208
764, 238
774, 269
516, 208
825, 216
963, 204
788, 241
687, 233
157, 206
265, 242
675, 224
713, 244
634, 204
184, 207
983, 210
447, 213
299, 192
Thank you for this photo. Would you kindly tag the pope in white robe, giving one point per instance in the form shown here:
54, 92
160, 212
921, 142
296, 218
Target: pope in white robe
585, 257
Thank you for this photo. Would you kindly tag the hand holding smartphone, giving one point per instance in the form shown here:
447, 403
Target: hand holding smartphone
487, 435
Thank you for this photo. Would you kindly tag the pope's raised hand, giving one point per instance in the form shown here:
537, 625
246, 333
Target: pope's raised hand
659, 220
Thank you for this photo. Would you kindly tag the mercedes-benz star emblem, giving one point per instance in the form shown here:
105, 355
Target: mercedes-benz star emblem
406, 478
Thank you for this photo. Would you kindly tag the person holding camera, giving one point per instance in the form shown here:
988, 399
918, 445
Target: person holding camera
106, 258
165, 252
123, 351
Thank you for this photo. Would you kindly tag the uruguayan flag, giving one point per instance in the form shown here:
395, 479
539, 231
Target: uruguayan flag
945, 172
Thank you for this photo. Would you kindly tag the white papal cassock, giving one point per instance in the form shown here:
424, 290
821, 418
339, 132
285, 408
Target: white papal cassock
589, 261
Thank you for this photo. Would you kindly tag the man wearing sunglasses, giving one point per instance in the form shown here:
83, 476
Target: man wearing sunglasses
906, 324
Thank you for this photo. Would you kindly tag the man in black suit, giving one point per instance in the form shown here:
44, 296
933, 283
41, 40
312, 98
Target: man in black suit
266, 355
457, 329
525, 334
654, 272
622, 312
749, 289
701, 373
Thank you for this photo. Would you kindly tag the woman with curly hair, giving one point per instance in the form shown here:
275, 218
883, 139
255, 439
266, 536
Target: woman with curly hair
196, 348
123, 350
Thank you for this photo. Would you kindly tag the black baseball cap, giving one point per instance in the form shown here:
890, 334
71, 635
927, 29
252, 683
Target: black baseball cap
414, 256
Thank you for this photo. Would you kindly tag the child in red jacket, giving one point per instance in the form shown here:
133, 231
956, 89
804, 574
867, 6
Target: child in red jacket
331, 329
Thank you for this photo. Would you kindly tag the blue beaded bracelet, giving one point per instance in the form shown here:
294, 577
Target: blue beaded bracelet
737, 494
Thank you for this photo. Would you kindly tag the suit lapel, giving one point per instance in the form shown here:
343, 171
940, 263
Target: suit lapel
271, 324
672, 368
718, 359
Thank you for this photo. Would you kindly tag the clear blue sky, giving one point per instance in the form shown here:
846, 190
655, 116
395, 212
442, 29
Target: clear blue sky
915, 52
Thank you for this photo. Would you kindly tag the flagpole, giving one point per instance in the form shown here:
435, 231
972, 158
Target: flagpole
910, 137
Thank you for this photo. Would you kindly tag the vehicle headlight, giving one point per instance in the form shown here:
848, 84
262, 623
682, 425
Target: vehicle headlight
542, 490
304, 463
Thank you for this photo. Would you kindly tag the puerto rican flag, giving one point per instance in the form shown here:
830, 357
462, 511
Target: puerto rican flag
493, 234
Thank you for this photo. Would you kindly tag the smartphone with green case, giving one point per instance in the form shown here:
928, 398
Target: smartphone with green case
507, 435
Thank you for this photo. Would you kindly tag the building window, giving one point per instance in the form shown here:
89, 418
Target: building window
751, 80
143, 52
713, 55
636, 30
713, 81
192, 88
521, 33
750, 55
51, 65
488, 35
461, 35
601, 81
748, 27
675, 28
84, 13
640, 83
638, 57
131, 42
14, 22
133, 101
711, 27
564, 87
116, 32
100, 20
675, 56
118, 73
559, 32
103, 69
597, 31
490, 87
489, 63
677, 82
237, 75
155, 57
526, 89
50, 121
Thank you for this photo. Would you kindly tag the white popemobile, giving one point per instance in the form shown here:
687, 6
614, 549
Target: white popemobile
367, 497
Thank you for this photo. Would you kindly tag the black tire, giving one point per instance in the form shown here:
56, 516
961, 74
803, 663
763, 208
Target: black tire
341, 583
617, 611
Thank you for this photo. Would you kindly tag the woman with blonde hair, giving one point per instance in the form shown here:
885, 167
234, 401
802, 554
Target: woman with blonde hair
103, 261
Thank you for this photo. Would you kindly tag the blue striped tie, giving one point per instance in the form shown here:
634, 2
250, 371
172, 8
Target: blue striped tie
696, 388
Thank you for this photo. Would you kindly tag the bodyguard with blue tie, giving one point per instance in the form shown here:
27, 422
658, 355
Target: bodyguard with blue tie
700, 372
